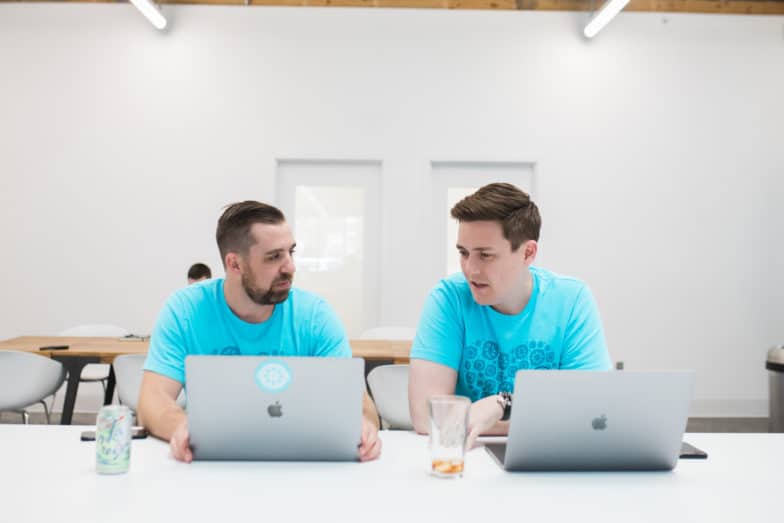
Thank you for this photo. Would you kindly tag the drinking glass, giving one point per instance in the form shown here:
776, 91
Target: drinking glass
448, 430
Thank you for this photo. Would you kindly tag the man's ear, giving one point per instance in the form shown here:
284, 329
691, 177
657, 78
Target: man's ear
233, 262
530, 248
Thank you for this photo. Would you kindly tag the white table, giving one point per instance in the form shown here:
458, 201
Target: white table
48, 475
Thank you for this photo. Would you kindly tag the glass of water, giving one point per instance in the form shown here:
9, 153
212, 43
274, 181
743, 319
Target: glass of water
448, 431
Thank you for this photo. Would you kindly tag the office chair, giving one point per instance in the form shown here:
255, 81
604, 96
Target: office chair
26, 379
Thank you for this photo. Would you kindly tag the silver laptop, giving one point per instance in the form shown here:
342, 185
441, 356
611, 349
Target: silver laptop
596, 420
274, 408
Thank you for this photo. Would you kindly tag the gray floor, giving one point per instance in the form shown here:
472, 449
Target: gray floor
694, 424
38, 418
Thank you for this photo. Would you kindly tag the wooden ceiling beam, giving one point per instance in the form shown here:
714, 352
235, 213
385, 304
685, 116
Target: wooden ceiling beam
742, 7
750, 7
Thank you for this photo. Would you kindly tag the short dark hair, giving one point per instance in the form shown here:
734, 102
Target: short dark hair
199, 271
506, 204
233, 234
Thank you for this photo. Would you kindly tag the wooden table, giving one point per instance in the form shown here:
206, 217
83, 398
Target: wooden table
84, 350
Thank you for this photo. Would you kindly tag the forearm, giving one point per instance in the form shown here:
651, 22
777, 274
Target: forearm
501, 428
421, 421
160, 415
484, 418
369, 410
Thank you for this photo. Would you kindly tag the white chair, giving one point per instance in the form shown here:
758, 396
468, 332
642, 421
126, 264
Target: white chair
388, 333
390, 381
93, 372
389, 387
128, 371
26, 379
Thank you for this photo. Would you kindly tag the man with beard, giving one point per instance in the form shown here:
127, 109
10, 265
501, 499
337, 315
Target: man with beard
253, 311
501, 314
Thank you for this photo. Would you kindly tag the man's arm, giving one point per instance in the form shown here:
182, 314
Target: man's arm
425, 379
159, 413
370, 444
369, 411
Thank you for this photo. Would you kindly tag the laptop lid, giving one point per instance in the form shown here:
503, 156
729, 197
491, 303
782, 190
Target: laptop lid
597, 420
274, 408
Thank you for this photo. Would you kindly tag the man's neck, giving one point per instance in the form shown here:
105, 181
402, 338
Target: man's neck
242, 306
519, 299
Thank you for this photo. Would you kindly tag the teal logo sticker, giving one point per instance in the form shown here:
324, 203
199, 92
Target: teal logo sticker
273, 376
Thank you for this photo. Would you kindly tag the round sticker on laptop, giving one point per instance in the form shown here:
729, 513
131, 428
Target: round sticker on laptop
273, 376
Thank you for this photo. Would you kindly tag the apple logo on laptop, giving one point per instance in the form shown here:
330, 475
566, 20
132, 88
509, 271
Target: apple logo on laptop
275, 410
599, 423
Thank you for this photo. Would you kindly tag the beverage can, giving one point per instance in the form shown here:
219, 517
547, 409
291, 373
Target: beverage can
113, 439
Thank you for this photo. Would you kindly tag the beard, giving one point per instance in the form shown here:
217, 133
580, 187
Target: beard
265, 296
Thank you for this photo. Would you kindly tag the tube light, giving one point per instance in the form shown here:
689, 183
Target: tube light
151, 11
603, 16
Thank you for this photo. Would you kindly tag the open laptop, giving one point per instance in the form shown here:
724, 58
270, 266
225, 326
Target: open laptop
596, 420
274, 408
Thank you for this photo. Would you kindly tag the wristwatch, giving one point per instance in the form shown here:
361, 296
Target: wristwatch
505, 401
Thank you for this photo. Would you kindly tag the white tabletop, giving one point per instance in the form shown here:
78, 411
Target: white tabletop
47, 474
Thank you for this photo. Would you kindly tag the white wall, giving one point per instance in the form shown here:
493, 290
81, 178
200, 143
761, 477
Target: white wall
658, 153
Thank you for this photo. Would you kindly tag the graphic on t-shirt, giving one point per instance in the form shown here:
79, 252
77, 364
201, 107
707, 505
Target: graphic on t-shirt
273, 376
231, 350
487, 368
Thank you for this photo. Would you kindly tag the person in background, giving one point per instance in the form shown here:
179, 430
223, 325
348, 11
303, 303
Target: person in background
501, 314
199, 272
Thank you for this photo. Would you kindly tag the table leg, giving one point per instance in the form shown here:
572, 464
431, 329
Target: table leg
109, 392
74, 366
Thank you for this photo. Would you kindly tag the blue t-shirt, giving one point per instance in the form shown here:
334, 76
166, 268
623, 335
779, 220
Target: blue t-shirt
559, 328
197, 320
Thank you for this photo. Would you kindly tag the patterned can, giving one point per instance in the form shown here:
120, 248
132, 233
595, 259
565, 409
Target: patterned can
113, 439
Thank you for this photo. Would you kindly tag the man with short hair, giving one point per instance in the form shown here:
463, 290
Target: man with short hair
199, 272
253, 311
501, 314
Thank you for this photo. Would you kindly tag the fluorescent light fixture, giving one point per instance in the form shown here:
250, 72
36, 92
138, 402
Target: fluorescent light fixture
151, 11
603, 16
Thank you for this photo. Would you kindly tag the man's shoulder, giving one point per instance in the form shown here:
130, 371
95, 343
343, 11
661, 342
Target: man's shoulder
556, 286
451, 295
303, 300
196, 295
454, 284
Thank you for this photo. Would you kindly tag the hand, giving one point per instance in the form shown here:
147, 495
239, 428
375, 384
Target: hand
482, 416
369, 443
180, 443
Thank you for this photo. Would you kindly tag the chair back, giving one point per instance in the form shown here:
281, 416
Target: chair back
388, 333
26, 379
389, 387
128, 371
96, 330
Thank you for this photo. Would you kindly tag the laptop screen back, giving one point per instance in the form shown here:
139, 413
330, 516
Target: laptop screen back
596, 420
274, 408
